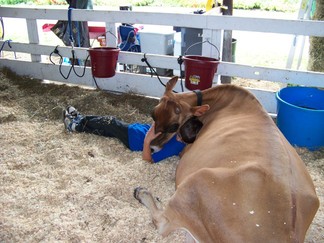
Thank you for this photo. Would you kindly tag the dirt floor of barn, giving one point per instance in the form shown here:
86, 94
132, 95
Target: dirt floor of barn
60, 187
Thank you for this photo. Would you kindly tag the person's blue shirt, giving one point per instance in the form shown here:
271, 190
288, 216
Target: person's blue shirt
136, 136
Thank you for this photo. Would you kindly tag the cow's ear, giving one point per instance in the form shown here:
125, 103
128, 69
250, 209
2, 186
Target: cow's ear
171, 83
199, 110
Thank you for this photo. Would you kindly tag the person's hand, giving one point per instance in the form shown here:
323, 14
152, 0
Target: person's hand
150, 135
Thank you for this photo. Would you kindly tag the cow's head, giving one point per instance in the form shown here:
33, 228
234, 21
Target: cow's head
171, 113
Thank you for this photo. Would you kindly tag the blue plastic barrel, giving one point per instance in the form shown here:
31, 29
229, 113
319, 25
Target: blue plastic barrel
300, 116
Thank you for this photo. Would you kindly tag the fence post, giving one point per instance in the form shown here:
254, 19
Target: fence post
33, 37
227, 49
215, 37
111, 33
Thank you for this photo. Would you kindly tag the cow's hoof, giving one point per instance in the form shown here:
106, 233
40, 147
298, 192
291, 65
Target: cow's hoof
137, 193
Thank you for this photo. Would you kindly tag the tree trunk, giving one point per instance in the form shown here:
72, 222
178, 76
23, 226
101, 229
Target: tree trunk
316, 50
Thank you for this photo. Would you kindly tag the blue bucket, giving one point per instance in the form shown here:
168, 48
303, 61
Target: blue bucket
301, 116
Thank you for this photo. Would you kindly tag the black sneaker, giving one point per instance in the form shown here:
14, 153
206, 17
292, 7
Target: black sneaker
67, 120
72, 111
71, 118
68, 115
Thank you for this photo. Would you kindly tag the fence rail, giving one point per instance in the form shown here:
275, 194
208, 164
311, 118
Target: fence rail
212, 25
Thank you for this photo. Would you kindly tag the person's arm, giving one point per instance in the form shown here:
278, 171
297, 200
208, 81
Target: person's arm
150, 135
171, 148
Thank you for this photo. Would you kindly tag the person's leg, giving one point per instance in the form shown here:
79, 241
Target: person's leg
107, 126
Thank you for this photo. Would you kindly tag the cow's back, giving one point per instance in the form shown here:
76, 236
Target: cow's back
254, 175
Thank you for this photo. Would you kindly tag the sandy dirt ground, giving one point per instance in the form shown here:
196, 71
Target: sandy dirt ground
60, 187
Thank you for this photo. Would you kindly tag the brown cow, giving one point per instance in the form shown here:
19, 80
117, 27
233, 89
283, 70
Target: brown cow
240, 181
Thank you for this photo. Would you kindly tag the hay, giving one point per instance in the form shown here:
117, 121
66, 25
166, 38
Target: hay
59, 187
316, 54
316, 50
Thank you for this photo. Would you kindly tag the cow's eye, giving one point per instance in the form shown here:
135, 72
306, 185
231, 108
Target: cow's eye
173, 128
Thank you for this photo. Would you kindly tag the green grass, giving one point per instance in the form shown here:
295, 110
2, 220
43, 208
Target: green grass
270, 5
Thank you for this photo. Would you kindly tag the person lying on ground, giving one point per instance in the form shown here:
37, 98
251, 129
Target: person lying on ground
135, 136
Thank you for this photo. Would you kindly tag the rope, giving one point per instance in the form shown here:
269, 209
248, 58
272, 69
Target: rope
72, 41
70, 27
152, 70
8, 43
180, 61
56, 52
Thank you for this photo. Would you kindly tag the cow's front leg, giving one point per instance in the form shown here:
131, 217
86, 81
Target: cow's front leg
160, 221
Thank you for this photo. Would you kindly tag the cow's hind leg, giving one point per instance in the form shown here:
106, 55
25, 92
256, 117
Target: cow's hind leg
162, 224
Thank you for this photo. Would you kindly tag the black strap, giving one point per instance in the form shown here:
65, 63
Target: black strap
199, 96
152, 70
56, 51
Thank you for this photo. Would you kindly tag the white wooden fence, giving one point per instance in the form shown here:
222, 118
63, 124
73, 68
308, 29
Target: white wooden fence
213, 26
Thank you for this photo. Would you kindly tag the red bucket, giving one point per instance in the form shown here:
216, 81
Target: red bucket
103, 61
199, 71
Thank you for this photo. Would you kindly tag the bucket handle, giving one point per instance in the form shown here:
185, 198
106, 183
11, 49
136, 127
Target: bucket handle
108, 31
202, 42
